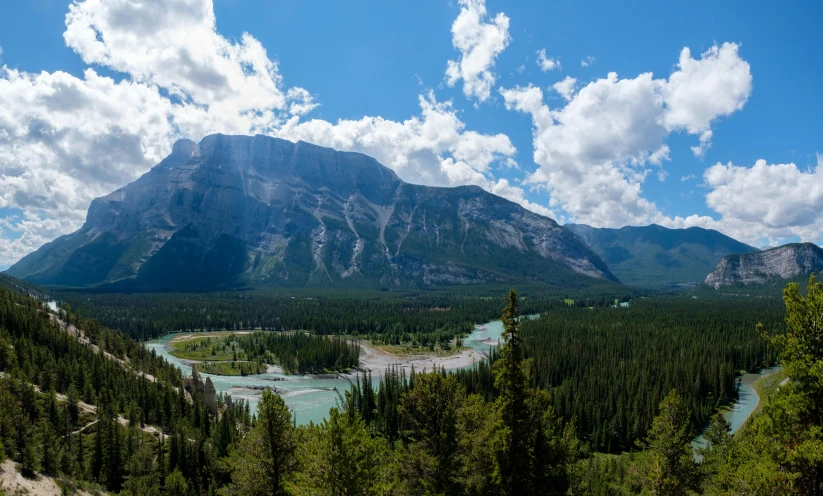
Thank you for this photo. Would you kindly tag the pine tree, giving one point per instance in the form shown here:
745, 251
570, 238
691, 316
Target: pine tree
266, 457
429, 413
340, 458
672, 470
511, 467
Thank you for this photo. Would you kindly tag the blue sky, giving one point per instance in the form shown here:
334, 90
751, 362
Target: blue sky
91, 96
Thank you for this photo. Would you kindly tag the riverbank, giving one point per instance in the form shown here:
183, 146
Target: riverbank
377, 360
766, 387
747, 402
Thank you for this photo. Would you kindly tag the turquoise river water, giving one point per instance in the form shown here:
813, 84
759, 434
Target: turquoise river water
309, 397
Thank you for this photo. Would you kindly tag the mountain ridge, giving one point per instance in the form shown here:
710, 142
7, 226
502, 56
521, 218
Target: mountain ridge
656, 256
240, 210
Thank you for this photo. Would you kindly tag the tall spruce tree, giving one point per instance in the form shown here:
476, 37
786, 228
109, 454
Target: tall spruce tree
266, 458
511, 461
672, 470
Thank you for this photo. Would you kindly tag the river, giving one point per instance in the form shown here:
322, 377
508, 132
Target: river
311, 397
744, 406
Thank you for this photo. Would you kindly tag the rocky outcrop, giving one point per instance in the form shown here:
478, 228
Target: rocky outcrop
241, 210
203, 390
784, 262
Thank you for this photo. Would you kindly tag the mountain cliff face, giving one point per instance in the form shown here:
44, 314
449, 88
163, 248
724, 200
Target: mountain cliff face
235, 210
656, 256
784, 262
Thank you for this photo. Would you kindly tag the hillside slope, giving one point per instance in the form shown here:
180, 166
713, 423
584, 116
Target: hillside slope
656, 256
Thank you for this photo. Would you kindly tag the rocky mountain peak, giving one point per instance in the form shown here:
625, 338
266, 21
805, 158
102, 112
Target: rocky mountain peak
784, 262
256, 210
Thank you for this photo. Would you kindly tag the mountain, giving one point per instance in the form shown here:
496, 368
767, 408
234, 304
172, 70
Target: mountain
656, 256
792, 261
241, 210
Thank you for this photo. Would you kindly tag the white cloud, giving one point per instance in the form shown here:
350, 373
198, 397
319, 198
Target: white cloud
687, 178
29, 233
595, 153
768, 200
565, 88
700, 91
763, 205
587, 61
433, 148
705, 143
174, 44
505, 189
545, 63
479, 43
65, 140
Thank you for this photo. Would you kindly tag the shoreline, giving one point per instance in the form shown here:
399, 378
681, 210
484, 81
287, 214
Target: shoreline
377, 361
765, 390
373, 359
728, 411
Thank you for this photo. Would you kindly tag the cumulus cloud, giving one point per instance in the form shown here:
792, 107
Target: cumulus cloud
595, 152
175, 45
768, 200
65, 140
587, 61
433, 148
546, 63
565, 88
700, 91
479, 40
688, 177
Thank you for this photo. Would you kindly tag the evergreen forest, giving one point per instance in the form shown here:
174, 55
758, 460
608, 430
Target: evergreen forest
587, 399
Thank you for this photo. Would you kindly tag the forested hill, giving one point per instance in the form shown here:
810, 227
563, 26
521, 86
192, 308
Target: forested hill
259, 211
655, 256
23, 287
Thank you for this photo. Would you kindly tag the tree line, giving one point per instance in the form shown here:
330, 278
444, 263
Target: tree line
423, 317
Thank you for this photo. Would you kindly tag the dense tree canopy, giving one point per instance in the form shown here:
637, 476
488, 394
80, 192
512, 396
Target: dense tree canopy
87, 402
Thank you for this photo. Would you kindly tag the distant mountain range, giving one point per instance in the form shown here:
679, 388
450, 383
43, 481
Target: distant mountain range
259, 211
654, 256
792, 261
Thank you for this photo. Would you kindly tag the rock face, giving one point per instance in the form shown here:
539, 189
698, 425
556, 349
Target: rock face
241, 210
204, 390
784, 262
656, 256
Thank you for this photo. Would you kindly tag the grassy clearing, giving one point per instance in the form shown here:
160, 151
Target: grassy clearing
206, 348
